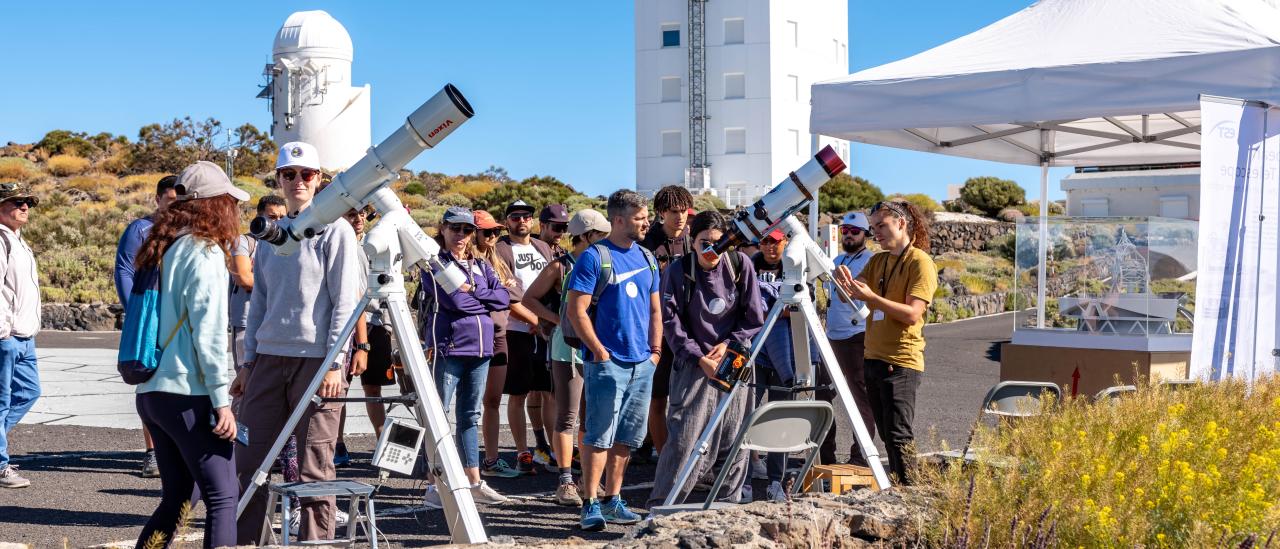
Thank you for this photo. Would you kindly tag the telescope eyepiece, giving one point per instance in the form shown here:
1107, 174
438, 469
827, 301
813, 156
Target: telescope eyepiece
267, 231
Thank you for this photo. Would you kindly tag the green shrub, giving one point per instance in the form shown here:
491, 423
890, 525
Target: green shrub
923, 201
1196, 467
1032, 209
846, 193
415, 188
976, 284
991, 194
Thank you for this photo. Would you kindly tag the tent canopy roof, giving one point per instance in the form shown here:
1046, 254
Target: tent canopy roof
1067, 82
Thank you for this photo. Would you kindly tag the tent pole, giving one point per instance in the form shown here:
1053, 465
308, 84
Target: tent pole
1042, 248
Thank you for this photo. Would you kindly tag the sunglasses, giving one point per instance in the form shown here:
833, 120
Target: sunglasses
20, 202
462, 228
855, 231
306, 174
520, 216
559, 227
491, 233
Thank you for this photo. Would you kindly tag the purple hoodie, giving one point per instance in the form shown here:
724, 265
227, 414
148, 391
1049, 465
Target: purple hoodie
718, 311
461, 320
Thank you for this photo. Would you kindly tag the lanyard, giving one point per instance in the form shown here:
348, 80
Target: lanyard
888, 274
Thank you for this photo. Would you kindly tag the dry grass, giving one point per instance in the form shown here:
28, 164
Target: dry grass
19, 169
64, 165
1197, 467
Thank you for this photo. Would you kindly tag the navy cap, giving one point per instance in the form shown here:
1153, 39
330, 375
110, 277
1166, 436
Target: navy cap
458, 214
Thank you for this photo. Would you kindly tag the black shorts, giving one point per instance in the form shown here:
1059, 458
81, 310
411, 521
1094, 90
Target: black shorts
662, 373
527, 366
379, 372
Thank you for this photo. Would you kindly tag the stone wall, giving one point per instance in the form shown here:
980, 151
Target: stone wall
958, 236
96, 317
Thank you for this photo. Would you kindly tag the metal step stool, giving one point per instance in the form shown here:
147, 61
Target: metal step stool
358, 493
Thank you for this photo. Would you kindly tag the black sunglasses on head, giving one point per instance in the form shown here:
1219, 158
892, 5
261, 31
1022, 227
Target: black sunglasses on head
461, 228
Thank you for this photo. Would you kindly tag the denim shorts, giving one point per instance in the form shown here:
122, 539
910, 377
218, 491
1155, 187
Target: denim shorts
617, 402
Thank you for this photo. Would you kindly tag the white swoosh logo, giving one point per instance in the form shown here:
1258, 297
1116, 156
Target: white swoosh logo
620, 278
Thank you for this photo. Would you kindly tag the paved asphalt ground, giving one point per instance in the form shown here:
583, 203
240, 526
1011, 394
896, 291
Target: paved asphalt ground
86, 491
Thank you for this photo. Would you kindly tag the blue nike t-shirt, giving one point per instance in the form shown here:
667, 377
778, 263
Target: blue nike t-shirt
622, 315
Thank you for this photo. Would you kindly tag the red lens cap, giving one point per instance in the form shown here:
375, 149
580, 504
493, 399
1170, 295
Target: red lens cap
831, 162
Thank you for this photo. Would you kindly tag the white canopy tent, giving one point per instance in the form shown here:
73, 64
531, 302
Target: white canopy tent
1065, 83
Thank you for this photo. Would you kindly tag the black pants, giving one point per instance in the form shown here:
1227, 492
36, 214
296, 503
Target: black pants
891, 390
189, 454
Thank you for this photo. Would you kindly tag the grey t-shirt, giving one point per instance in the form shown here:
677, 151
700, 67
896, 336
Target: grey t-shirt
238, 304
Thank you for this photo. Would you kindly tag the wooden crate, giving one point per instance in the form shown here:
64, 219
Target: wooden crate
841, 478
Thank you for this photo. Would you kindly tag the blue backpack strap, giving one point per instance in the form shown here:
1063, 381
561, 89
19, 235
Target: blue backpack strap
606, 272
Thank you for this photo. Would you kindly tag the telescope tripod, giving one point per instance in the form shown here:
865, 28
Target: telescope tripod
383, 246
803, 261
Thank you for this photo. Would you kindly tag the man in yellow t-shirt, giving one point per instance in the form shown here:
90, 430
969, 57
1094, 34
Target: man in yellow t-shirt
897, 285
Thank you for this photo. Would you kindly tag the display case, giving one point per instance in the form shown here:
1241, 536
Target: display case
1110, 283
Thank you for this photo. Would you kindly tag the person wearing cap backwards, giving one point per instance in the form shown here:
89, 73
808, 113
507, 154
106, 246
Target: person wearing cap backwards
299, 306
126, 251
668, 239
186, 404
484, 245
458, 332
709, 301
846, 333
19, 322
528, 383
585, 228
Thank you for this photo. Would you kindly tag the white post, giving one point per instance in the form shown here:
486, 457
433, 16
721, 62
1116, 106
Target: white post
1043, 247
813, 217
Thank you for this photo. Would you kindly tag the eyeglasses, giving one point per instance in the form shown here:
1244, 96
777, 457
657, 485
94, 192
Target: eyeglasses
520, 216
850, 229
307, 175
559, 227
20, 202
462, 228
491, 233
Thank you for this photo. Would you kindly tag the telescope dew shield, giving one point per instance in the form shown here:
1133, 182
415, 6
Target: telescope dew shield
787, 197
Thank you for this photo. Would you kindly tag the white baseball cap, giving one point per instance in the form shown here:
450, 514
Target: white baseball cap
857, 219
300, 154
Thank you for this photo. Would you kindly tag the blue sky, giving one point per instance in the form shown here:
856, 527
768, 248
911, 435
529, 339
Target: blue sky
552, 82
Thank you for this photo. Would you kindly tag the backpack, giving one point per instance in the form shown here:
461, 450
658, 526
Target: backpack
140, 347
602, 281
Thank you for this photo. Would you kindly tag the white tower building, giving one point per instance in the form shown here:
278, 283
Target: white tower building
312, 97
759, 59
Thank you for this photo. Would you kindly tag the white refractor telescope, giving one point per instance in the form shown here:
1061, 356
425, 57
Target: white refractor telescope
358, 185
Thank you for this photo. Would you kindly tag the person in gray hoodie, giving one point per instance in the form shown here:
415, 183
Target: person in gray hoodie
299, 306
699, 323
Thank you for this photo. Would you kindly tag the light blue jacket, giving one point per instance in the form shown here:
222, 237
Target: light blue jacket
194, 280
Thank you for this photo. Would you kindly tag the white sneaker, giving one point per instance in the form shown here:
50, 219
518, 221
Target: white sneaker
295, 521
9, 478
758, 469
340, 518
482, 493
431, 499
776, 493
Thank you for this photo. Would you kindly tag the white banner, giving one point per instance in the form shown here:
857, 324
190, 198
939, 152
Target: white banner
1236, 309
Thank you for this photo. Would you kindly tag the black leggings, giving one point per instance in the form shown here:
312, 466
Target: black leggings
189, 454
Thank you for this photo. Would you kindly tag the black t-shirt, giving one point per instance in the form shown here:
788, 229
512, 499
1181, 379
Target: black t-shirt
666, 250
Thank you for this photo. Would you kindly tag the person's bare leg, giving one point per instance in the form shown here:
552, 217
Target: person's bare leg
377, 410
490, 422
658, 422
516, 422
146, 439
548, 409
593, 463
619, 455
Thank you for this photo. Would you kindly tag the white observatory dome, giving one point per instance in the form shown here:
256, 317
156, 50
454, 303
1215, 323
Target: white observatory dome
313, 34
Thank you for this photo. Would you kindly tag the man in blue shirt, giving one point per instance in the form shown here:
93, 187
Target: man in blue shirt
624, 342
126, 250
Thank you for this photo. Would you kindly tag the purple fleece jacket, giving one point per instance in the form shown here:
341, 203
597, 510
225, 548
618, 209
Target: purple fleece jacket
461, 320
718, 311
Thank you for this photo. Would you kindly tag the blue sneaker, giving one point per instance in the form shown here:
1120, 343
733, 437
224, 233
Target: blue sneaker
615, 511
592, 520
341, 458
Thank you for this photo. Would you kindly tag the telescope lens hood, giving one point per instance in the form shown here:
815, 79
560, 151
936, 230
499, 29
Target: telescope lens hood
461, 102
831, 162
267, 231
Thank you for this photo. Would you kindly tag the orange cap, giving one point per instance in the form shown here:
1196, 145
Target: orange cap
484, 220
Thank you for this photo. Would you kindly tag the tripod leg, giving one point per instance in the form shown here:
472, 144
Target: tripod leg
701, 446
260, 475
446, 464
868, 447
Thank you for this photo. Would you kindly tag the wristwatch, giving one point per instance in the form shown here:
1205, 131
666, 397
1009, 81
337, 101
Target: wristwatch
363, 347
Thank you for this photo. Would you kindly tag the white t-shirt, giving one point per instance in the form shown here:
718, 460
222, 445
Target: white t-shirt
840, 314
528, 263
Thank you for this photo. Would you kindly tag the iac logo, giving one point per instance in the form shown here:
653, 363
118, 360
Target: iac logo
440, 128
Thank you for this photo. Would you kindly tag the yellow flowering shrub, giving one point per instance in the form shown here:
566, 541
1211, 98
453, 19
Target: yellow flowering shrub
1195, 467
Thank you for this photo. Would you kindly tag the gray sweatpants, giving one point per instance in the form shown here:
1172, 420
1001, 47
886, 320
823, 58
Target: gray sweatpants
689, 408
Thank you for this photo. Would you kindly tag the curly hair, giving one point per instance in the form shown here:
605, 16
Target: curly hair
215, 219
917, 220
672, 197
